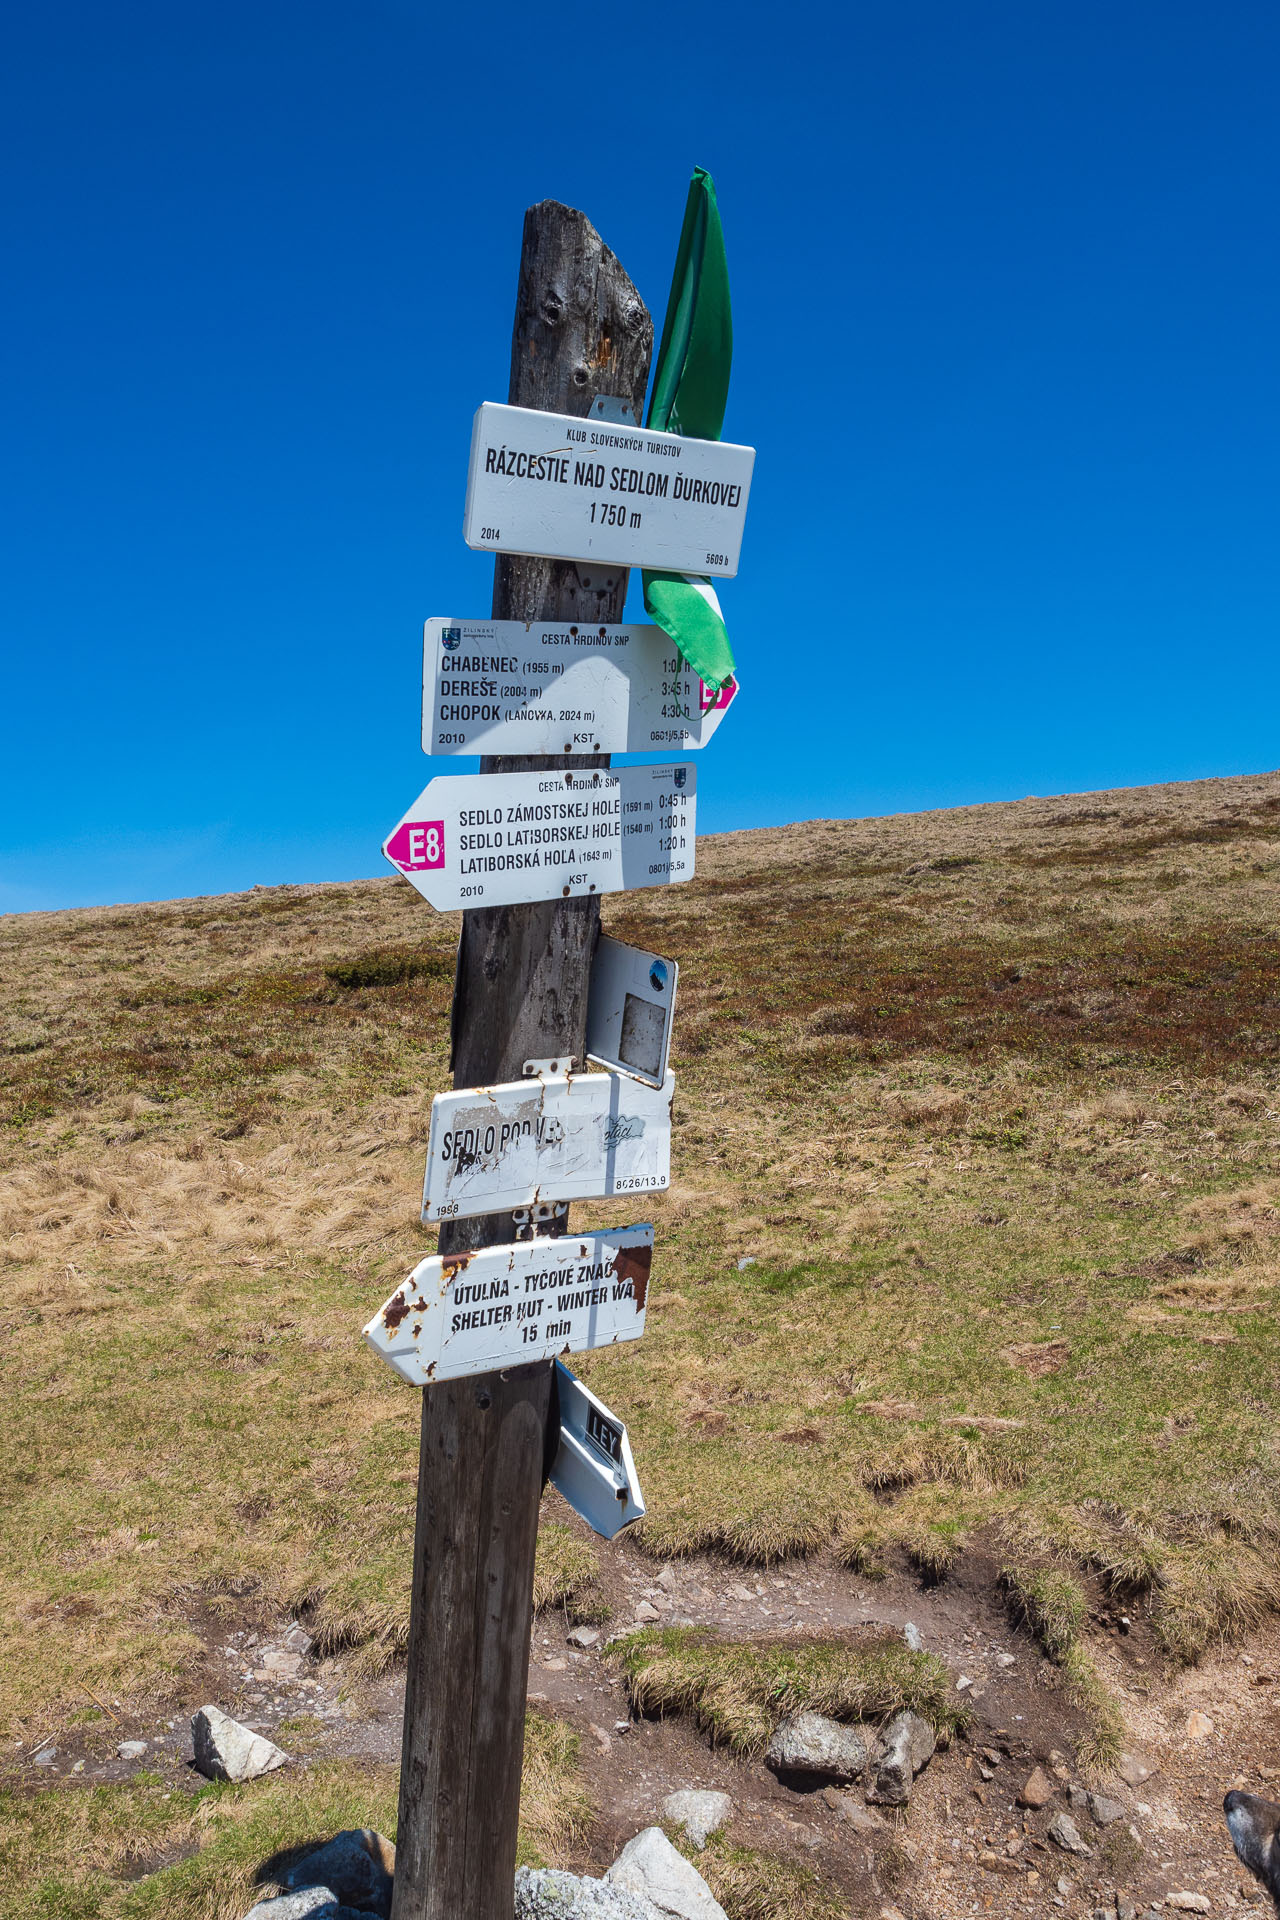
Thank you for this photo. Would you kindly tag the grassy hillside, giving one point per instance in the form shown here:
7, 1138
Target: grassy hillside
988, 1099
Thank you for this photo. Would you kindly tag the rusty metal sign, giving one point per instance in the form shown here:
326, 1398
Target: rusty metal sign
617, 495
587, 1136
593, 1467
466, 1313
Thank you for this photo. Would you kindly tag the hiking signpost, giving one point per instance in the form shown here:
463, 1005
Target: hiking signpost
499, 686
585, 1136
568, 491
575, 489
476, 1312
509, 838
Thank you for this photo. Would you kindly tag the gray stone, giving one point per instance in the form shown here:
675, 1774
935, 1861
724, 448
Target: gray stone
911, 1634
650, 1866
1078, 1797
811, 1743
297, 1639
699, 1813
902, 1748
131, 1749
1104, 1810
583, 1637
45, 1757
1125, 1910
543, 1894
281, 1664
357, 1863
1064, 1833
314, 1903
224, 1750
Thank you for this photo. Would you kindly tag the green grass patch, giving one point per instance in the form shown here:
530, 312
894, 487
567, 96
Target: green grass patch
736, 1692
139, 1851
751, 1884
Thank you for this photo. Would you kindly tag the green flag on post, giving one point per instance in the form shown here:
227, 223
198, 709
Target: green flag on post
690, 389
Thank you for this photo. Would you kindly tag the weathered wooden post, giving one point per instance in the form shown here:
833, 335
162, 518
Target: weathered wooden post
581, 330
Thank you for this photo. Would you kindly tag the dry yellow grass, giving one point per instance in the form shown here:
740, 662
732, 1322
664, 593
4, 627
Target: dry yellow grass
972, 1090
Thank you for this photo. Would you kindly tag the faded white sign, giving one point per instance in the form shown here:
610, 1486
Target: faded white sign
586, 1136
570, 489
499, 686
467, 1313
497, 839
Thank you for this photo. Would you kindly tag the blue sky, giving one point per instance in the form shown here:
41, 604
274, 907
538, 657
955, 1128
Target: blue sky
1007, 312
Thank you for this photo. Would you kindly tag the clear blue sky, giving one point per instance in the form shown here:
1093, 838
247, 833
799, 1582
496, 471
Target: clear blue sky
1007, 305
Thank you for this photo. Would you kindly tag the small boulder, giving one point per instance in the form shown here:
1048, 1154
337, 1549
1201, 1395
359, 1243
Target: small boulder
45, 1757
1135, 1768
650, 1866
583, 1637
358, 1864
1105, 1810
811, 1743
1064, 1833
224, 1750
647, 1613
902, 1748
1199, 1727
700, 1814
544, 1894
1188, 1902
313, 1903
131, 1749
1037, 1790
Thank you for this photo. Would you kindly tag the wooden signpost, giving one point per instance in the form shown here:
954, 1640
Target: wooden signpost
569, 491
581, 330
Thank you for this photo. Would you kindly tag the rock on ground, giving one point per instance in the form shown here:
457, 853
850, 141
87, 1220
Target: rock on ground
1188, 1902
131, 1749
1105, 1810
650, 1866
225, 1750
811, 1743
312, 1903
1064, 1832
901, 1750
547, 1895
358, 1864
699, 1813
1038, 1790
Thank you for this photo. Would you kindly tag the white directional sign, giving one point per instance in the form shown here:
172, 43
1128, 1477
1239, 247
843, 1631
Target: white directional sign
630, 1005
468, 1313
585, 1136
593, 1467
499, 686
495, 839
569, 489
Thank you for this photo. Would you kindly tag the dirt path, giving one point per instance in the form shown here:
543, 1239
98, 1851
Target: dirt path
965, 1846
